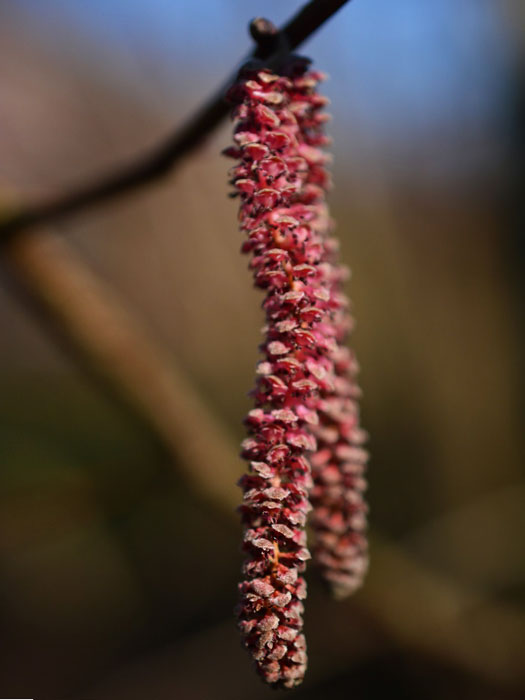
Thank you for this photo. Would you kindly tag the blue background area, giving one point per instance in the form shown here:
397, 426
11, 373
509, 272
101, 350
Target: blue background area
398, 67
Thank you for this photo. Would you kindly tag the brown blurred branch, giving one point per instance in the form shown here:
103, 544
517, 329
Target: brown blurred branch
432, 613
152, 165
105, 338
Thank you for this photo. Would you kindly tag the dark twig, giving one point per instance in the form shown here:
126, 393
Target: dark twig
160, 160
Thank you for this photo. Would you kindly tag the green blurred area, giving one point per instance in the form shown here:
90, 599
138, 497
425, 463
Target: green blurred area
116, 579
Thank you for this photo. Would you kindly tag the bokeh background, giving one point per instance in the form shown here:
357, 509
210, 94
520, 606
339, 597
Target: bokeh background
119, 545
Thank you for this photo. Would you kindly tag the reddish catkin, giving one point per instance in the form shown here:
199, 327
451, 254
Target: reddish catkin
304, 388
286, 251
339, 510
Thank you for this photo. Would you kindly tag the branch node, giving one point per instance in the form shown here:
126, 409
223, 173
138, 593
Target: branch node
263, 30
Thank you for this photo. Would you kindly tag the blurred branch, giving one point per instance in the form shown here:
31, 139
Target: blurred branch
433, 613
107, 339
163, 158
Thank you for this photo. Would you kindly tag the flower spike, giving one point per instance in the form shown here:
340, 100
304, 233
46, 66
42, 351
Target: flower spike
339, 510
305, 392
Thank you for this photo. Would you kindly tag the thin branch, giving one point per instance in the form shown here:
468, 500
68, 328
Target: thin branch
160, 160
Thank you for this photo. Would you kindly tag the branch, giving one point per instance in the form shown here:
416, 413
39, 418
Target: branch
107, 340
163, 158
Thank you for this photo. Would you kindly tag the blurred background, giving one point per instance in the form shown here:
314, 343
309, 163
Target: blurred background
128, 345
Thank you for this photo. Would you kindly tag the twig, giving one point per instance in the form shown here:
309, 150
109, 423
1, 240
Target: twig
158, 162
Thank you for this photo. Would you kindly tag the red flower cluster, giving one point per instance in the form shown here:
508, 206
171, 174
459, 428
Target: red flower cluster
339, 510
305, 387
